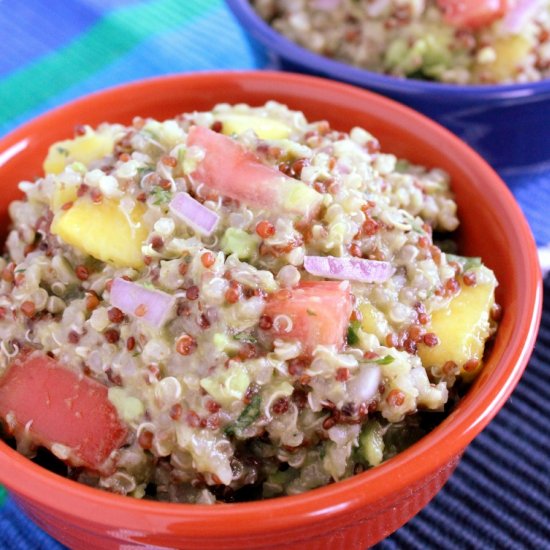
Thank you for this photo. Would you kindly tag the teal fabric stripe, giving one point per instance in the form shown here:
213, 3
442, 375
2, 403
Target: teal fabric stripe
3, 495
195, 46
114, 36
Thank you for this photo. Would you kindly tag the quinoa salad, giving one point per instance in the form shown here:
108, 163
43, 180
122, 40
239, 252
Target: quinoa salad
233, 305
452, 41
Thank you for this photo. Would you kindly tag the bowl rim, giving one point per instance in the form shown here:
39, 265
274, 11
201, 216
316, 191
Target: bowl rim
276, 42
444, 444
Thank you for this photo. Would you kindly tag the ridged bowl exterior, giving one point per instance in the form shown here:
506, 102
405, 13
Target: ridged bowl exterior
344, 531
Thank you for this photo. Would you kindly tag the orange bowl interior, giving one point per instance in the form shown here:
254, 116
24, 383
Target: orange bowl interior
492, 227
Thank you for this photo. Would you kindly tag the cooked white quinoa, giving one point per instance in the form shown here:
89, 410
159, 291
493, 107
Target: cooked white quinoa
410, 38
216, 407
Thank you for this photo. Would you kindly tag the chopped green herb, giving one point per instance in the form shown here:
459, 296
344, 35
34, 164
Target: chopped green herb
144, 170
20, 270
385, 360
250, 413
245, 337
63, 151
402, 165
353, 338
467, 262
161, 196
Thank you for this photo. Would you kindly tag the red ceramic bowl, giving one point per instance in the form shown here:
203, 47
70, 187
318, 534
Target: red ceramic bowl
360, 511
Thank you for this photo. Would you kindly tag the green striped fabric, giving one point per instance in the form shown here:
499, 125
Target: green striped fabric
131, 40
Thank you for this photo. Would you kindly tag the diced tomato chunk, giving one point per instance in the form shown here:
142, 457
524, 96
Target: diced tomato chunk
472, 14
240, 175
318, 312
51, 404
231, 170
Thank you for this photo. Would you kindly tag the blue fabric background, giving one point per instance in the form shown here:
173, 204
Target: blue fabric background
50, 53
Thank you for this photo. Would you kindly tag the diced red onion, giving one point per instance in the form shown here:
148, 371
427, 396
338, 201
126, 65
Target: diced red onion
364, 385
377, 7
193, 213
351, 269
519, 14
342, 168
153, 306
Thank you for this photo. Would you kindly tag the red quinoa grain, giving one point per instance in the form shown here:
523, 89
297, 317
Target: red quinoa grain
470, 365
130, 343
73, 337
112, 335
469, 278
157, 242
175, 411
280, 406
81, 271
145, 439
232, 295
342, 374
265, 229
395, 398
28, 308
355, 250
213, 406
186, 345
115, 315
266, 322
192, 293
217, 126
83, 188
496, 312
208, 259
92, 301
183, 268
452, 286
168, 160
430, 339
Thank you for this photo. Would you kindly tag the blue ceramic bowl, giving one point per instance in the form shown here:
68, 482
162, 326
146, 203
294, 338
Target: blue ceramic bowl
509, 124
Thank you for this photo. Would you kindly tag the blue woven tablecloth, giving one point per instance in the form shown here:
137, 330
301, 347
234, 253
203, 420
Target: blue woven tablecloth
52, 51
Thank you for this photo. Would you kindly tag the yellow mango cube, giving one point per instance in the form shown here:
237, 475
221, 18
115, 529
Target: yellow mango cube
462, 327
509, 54
373, 321
103, 231
91, 146
265, 128
62, 194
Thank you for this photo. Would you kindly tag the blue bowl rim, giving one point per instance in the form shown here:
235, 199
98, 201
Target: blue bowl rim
291, 51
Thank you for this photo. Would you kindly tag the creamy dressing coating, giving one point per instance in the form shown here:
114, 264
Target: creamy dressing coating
220, 402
